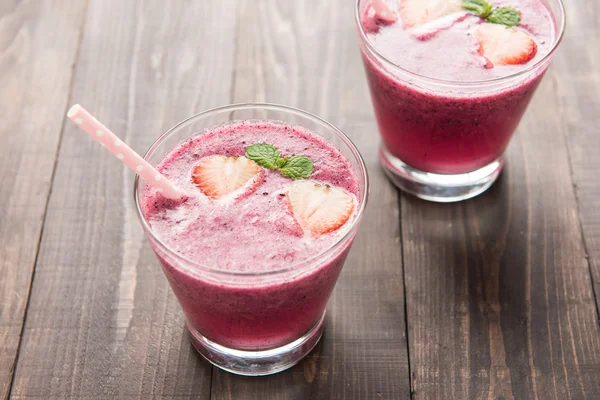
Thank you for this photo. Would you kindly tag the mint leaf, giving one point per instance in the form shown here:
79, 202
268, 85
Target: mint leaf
297, 167
265, 155
502, 15
505, 16
480, 8
281, 162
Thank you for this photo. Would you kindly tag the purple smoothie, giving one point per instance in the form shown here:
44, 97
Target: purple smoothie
449, 128
246, 275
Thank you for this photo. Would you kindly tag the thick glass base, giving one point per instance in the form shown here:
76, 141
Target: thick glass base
257, 363
442, 188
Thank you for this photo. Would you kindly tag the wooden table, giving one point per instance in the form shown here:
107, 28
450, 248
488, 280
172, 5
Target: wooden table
492, 298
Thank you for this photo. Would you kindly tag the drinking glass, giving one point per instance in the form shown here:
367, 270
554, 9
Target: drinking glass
254, 323
444, 140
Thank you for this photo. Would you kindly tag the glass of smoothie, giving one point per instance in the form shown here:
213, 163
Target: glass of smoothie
450, 81
274, 197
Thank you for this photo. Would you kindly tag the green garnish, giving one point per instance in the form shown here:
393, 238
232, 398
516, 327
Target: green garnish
505, 16
500, 15
297, 167
281, 162
478, 7
264, 155
267, 156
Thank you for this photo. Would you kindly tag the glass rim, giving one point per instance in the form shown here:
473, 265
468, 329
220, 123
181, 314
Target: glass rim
362, 169
445, 82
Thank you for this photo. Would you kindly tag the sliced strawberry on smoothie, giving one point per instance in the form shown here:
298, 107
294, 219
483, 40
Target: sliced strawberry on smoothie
418, 12
383, 12
319, 208
219, 176
375, 14
501, 45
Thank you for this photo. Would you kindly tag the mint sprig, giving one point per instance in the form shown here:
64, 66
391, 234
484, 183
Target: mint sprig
267, 156
264, 155
478, 7
500, 15
505, 16
297, 167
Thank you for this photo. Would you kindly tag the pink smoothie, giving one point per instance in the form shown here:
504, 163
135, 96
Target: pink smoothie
449, 128
226, 241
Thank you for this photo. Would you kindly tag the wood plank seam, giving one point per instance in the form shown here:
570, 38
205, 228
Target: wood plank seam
212, 374
234, 71
577, 201
410, 373
56, 151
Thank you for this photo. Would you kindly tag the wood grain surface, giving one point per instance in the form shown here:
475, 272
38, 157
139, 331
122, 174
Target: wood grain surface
500, 292
499, 298
38, 46
578, 88
102, 322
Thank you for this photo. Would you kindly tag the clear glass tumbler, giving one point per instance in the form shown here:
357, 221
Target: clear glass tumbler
244, 322
444, 140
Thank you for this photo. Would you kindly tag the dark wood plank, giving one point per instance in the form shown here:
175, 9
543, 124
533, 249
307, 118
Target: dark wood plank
102, 321
305, 54
577, 82
498, 294
38, 44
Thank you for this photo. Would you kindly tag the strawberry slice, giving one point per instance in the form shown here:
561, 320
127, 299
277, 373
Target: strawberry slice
419, 12
218, 176
501, 45
319, 208
383, 12
431, 29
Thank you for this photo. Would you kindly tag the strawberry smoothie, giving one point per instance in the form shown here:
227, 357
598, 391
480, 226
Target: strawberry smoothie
252, 254
443, 81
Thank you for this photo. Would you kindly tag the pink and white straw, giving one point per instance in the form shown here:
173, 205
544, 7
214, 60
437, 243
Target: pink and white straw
126, 154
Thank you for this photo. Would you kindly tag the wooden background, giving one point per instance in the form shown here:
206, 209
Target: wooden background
493, 298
